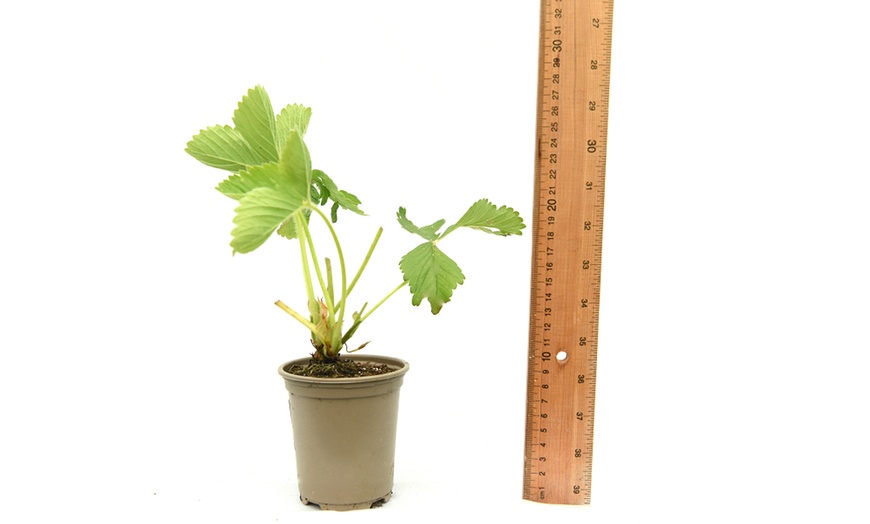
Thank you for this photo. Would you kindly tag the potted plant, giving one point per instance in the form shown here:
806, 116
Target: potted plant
343, 409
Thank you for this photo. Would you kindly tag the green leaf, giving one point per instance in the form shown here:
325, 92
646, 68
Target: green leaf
292, 179
429, 232
259, 214
286, 176
294, 116
268, 207
318, 193
296, 164
287, 229
255, 121
342, 198
485, 216
222, 147
431, 274
264, 175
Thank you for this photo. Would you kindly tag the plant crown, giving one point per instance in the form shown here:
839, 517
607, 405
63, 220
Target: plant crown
277, 190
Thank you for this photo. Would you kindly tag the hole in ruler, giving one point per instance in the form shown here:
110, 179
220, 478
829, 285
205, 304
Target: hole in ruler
561, 356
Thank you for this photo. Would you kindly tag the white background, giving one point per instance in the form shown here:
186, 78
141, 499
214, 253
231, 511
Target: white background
138, 380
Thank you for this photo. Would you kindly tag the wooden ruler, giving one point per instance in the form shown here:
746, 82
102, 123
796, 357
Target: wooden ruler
574, 78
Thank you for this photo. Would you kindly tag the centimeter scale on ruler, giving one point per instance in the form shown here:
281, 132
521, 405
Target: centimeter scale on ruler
573, 96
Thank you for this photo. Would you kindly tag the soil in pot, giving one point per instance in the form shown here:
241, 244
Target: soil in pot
339, 368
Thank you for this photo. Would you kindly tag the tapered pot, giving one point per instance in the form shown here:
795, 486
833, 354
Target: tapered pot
344, 433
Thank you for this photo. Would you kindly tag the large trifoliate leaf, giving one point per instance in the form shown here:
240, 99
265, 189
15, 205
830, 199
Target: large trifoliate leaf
291, 171
272, 194
222, 147
259, 214
429, 232
255, 121
431, 274
485, 216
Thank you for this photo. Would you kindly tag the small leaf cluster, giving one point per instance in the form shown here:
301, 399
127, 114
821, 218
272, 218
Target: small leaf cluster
432, 274
278, 191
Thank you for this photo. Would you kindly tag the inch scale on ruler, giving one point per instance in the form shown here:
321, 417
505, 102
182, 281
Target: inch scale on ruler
573, 93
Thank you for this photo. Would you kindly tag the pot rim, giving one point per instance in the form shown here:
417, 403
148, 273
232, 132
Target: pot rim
400, 368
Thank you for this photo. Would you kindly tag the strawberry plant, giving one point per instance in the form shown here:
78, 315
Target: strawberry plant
278, 193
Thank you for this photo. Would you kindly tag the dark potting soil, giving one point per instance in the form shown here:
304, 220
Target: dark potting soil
342, 368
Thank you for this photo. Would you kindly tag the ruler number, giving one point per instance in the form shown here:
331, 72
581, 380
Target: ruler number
591, 146
596, 23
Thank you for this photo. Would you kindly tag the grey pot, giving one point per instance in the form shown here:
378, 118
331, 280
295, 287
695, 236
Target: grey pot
344, 433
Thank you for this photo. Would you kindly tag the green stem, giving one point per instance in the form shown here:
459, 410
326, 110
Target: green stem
296, 315
329, 304
306, 270
329, 285
365, 261
391, 293
342, 302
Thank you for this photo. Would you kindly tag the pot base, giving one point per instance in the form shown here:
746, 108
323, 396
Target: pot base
348, 507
